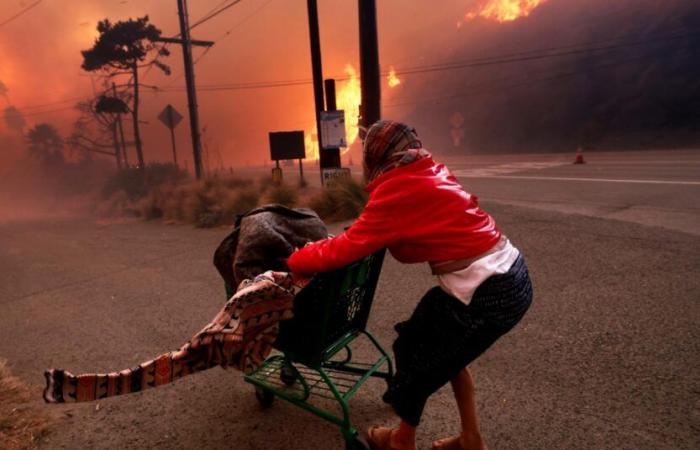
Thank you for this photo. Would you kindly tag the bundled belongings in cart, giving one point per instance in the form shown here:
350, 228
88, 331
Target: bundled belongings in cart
241, 334
311, 327
263, 238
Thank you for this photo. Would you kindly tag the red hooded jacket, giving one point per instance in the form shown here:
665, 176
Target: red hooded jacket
419, 212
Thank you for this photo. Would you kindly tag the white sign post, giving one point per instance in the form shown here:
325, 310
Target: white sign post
333, 129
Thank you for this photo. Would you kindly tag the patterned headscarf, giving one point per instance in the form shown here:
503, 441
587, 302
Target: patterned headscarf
388, 145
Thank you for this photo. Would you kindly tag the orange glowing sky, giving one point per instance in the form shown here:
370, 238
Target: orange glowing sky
257, 40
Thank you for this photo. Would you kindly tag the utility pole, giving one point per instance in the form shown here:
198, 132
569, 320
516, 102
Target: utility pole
121, 136
330, 157
191, 93
317, 73
121, 131
187, 44
370, 110
113, 126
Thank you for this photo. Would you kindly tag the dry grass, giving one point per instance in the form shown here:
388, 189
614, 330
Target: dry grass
217, 201
283, 194
117, 205
343, 200
22, 422
208, 203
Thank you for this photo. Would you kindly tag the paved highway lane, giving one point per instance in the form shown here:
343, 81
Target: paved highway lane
608, 356
651, 188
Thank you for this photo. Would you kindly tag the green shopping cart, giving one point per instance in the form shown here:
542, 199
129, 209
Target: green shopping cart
315, 360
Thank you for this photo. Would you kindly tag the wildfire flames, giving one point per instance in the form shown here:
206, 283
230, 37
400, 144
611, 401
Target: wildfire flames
392, 79
503, 10
348, 99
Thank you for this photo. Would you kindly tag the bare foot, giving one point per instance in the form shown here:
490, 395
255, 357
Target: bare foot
460, 442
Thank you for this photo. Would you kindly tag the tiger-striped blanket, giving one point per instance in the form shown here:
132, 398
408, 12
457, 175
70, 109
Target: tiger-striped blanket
241, 335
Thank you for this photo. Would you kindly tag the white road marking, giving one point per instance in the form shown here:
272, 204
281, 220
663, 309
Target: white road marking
600, 180
506, 168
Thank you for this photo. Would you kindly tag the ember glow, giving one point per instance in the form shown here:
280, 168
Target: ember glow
392, 79
503, 10
348, 99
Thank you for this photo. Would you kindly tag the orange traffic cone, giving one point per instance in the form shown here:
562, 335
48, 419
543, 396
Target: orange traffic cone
579, 157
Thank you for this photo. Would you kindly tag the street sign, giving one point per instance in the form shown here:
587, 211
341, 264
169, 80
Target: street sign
170, 117
287, 145
333, 129
331, 175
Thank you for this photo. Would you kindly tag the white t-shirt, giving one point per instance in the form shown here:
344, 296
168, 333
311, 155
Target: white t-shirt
462, 283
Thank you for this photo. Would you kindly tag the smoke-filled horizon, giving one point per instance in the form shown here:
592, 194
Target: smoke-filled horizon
471, 78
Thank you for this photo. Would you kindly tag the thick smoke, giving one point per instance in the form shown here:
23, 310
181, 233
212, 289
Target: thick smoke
639, 90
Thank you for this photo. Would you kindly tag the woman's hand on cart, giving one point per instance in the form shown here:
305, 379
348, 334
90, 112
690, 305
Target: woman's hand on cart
301, 279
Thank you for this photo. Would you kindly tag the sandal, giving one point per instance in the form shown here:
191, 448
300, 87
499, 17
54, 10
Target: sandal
379, 438
450, 443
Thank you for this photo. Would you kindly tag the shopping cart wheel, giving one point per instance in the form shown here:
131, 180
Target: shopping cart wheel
358, 442
264, 396
288, 375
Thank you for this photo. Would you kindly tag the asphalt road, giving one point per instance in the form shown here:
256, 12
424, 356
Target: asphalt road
608, 357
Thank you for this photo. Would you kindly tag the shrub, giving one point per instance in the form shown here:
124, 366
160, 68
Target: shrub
343, 200
137, 183
283, 194
152, 205
239, 201
117, 205
208, 203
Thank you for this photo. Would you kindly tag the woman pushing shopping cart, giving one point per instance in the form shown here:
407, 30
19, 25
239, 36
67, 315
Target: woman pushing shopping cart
420, 213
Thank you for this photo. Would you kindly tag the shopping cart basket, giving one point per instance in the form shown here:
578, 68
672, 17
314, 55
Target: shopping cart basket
315, 360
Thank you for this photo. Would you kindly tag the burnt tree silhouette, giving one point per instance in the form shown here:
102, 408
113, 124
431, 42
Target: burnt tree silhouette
122, 47
3, 92
46, 144
14, 119
96, 126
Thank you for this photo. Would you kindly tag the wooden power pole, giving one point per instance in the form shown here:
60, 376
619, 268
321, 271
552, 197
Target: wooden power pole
118, 125
317, 73
330, 157
187, 44
191, 92
370, 110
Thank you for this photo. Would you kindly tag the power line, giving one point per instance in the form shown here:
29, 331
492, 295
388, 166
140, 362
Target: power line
58, 102
37, 113
207, 16
218, 5
529, 55
6, 21
244, 20
489, 86
478, 88
222, 37
210, 16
